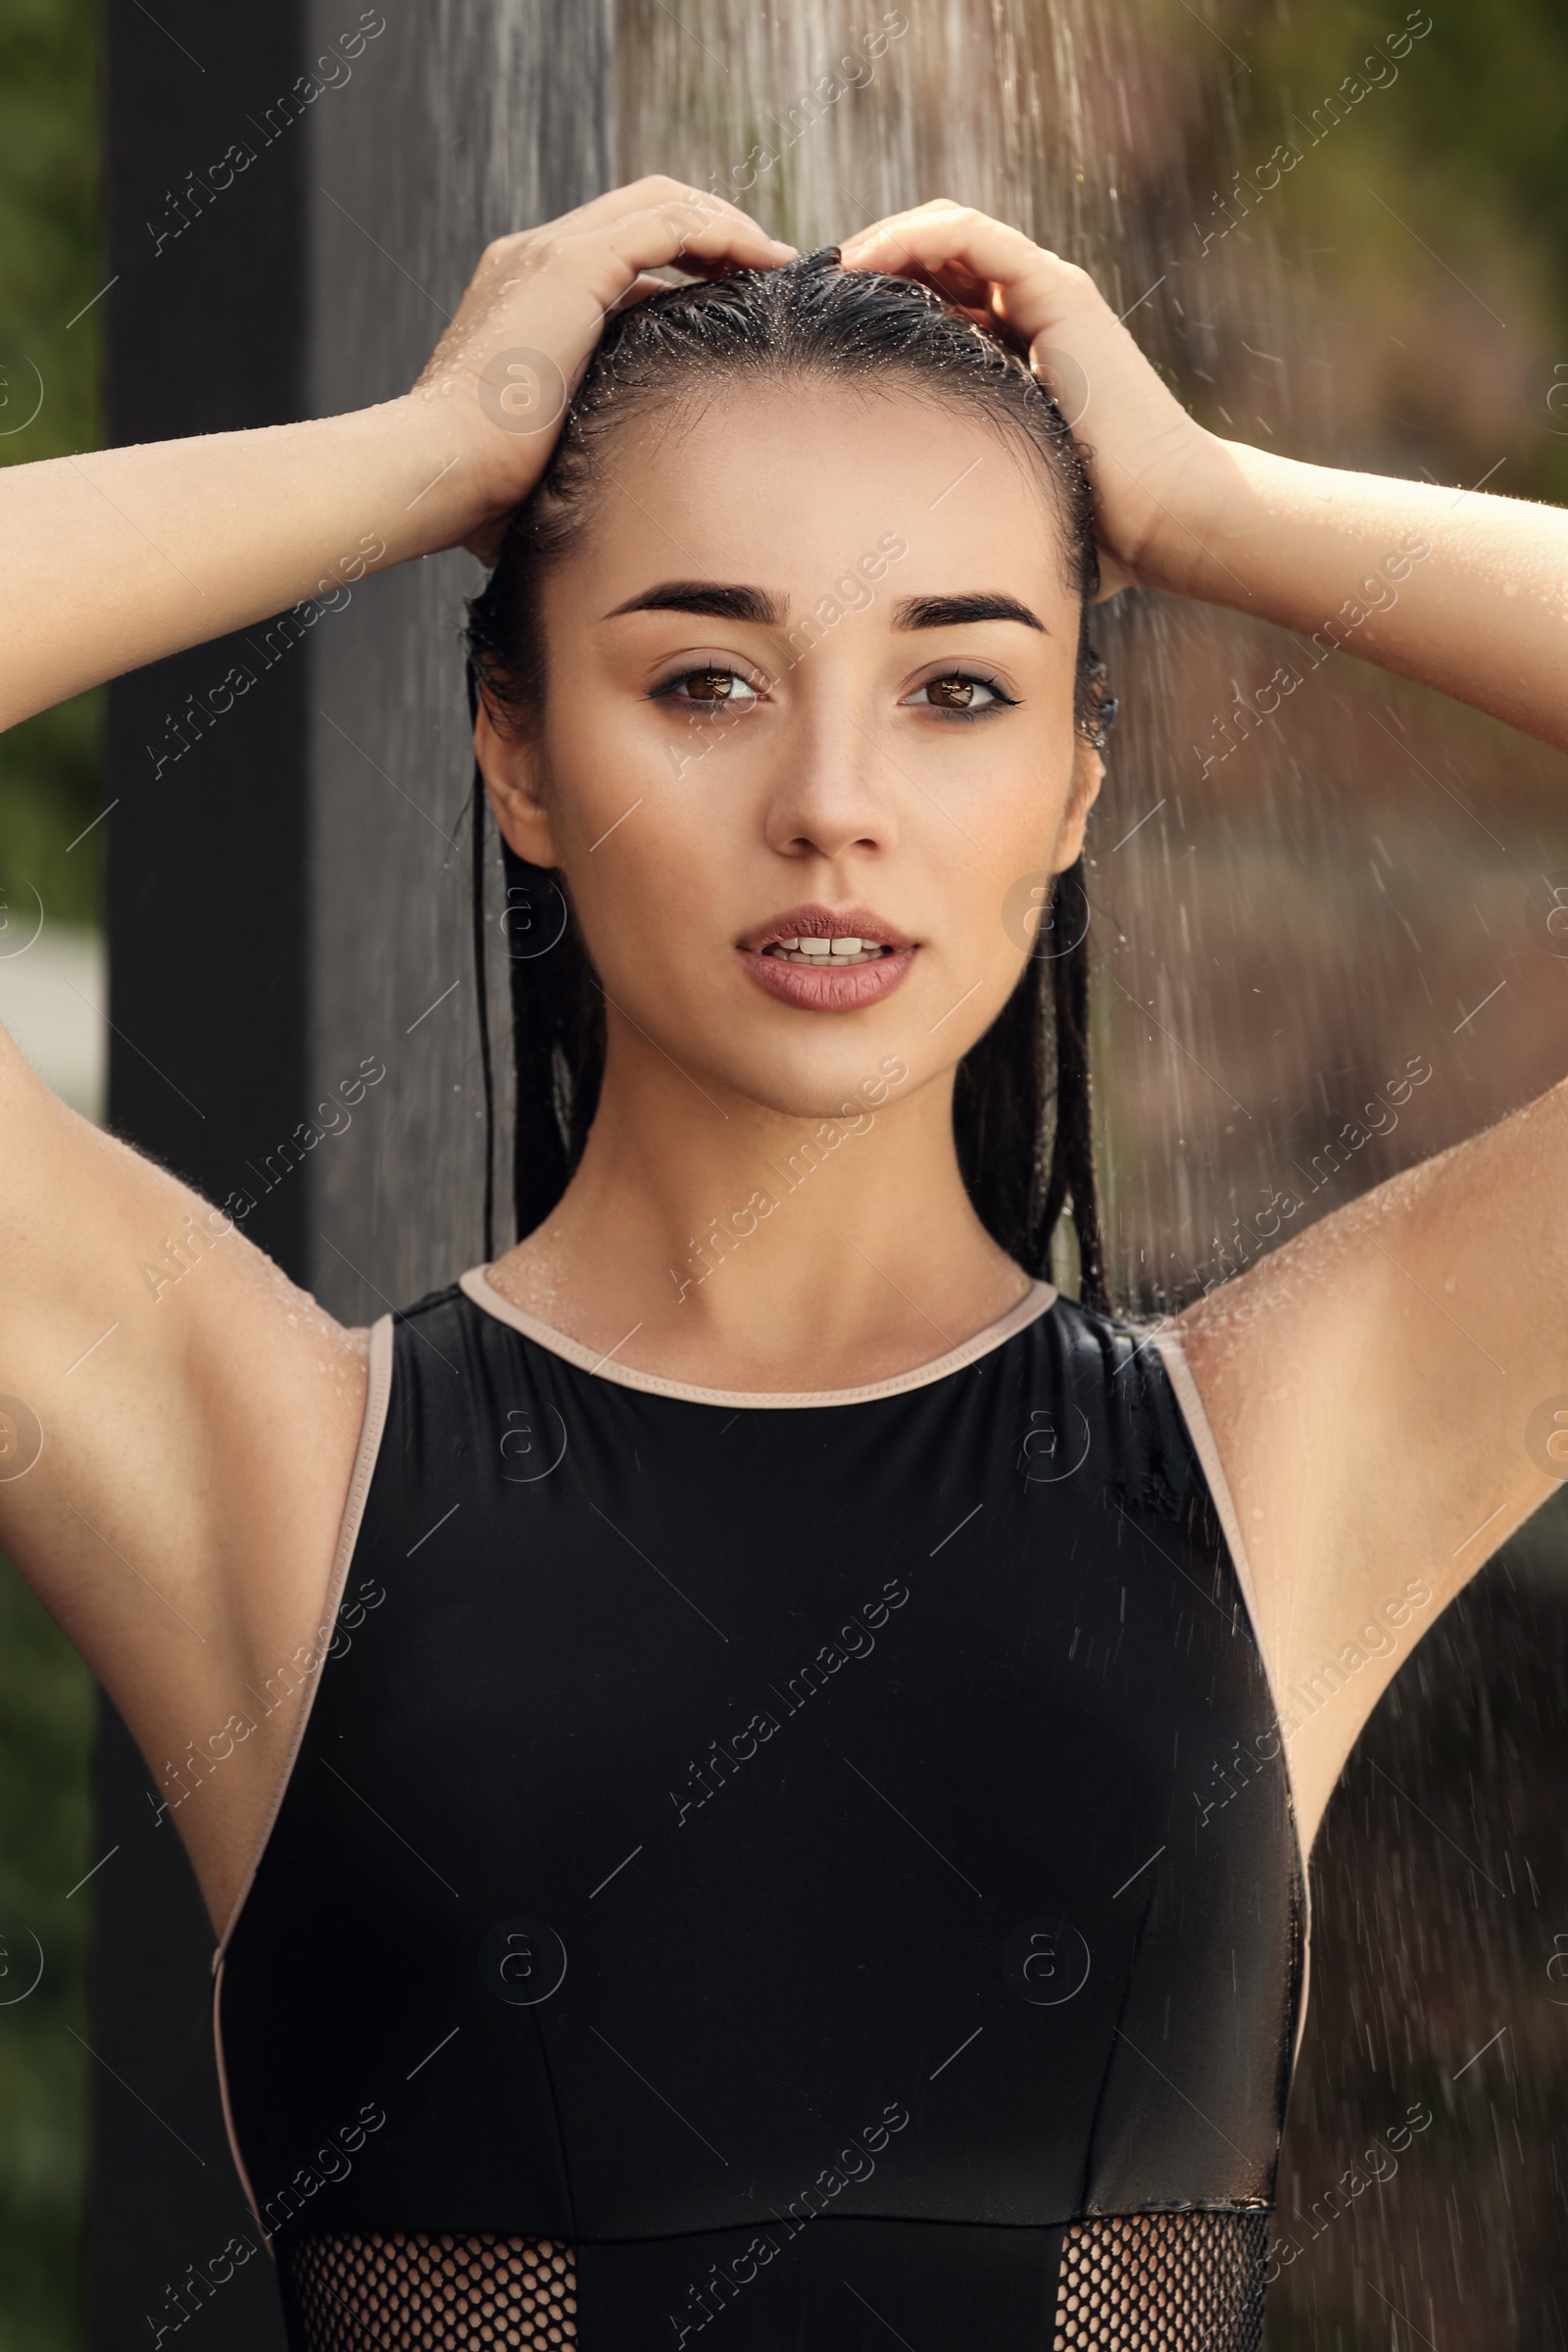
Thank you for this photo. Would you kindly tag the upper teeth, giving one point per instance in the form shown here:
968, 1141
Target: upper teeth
810, 949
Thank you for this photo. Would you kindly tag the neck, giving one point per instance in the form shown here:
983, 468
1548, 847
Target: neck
715, 1240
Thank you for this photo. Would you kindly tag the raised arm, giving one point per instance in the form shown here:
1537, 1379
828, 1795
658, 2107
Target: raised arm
178, 1421
120, 557
1463, 590
1457, 588
1387, 1392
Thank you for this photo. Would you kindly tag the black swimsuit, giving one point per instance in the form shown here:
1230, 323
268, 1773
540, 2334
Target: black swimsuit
749, 1870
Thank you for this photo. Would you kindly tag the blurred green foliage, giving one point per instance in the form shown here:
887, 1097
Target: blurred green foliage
50, 788
46, 1724
1426, 231
51, 264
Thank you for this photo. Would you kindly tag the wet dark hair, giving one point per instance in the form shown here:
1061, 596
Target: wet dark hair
812, 321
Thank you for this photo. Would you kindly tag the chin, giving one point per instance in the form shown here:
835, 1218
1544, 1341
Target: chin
842, 1088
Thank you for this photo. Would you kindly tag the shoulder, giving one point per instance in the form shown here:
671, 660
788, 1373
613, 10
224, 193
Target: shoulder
1107, 1379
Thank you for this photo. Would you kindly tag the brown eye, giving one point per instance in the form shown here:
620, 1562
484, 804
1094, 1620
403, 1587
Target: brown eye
966, 696
712, 684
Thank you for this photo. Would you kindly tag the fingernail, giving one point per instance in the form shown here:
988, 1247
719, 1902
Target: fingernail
790, 252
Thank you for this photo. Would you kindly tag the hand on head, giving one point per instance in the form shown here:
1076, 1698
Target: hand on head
508, 365
535, 308
1140, 445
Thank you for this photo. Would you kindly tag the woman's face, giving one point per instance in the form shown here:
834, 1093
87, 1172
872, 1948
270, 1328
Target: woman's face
810, 676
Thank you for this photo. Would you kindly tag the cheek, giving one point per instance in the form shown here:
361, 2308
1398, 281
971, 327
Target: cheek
1014, 909
595, 769
653, 833
1018, 815
611, 753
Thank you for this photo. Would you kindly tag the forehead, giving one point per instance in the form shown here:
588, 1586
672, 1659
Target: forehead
788, 484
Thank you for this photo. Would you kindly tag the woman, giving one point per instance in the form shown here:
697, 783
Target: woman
783, 1654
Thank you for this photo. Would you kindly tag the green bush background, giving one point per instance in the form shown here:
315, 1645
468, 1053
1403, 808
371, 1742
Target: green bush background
50, 265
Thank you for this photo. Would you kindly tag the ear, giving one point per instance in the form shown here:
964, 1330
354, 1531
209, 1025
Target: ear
1088, 775
511, 765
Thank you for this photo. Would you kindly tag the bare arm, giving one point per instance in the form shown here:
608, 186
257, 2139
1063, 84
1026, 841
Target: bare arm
1389, 1392
1465, 591
1462, 590
124, 555
175, 1454
120, 557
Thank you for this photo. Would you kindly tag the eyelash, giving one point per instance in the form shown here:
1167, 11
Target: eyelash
1001, 699
705, 670
968, 677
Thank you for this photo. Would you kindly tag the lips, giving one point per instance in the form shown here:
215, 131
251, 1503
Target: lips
827, 959
816, 921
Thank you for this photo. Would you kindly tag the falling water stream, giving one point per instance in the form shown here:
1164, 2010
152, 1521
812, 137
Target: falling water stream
1278, 938
1289, 919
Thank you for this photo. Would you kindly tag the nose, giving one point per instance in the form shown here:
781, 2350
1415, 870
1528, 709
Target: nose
834, 792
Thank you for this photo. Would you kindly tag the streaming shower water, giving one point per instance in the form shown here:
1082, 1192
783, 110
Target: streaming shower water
1291, 920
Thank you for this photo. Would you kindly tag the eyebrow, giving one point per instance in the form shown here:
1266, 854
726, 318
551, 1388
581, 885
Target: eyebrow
953, 612
758, 605
765, 610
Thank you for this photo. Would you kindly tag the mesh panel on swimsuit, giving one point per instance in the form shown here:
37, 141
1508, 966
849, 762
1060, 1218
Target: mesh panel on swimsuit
403, 2291
1164, 2283
1139, 2283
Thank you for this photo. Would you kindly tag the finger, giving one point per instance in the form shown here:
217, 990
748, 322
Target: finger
638, 291
908, 213
897, 249
967, 256
688, 237
651, 284
899, 229
655, 190
956, 282
1029, 290
603, 213
978, 299
659, 187
677, 230
1112, 580
944, 236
